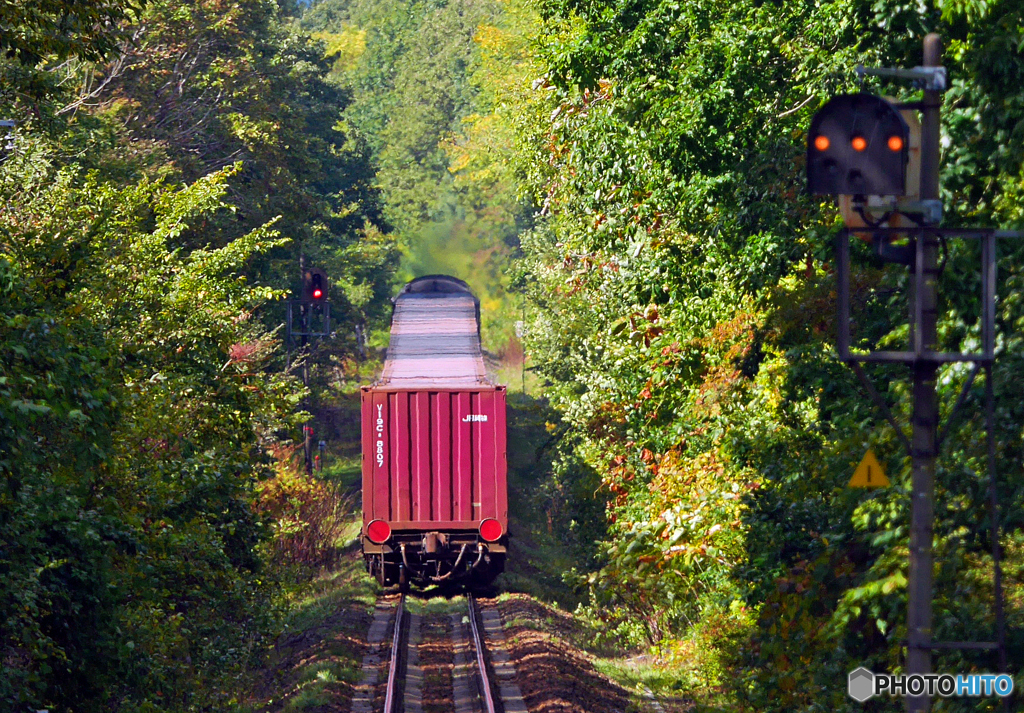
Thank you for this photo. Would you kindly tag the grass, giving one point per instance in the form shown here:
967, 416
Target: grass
316, 683
641, 673
317, 600
345, 472
688, 669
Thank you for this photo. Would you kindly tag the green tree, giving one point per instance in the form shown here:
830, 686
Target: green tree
37, 37
150, 226
134, 411
207, 86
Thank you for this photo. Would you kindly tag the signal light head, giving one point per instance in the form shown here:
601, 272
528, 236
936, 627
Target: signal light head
866, 141
314, 285
490, 530
378, 531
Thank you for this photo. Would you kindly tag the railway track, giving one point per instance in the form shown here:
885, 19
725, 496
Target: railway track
474, 687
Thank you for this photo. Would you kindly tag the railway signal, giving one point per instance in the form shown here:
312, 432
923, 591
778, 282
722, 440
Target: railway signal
858, 148
309, 316
857, 145
314, 286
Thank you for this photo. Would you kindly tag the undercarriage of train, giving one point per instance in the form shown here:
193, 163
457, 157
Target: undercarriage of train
434, 558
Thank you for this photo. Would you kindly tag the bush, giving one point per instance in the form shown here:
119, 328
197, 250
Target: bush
308, 514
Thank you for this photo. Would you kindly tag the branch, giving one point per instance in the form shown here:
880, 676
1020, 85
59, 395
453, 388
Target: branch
797, 108
113, 72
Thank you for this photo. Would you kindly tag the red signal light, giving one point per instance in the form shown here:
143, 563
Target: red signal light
859, 143
314, 287
895, 143
490, 530
822, 143
378, 531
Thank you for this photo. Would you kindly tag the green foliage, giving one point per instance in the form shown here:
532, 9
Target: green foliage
170, 165
134, 409
682, 315
252, 92
37, 38
63, 28
411, 74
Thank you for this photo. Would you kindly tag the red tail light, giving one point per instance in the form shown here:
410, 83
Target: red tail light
378, 531
490, 529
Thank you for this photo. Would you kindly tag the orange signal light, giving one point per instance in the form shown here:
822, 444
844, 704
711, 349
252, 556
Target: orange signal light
895, 143
821, 142
859, 143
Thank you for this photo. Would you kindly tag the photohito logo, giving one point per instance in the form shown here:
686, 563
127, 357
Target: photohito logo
862, 684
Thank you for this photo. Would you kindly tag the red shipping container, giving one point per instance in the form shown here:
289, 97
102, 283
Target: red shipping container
434, 459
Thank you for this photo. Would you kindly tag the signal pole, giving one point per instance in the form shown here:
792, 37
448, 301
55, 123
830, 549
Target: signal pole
926, 414
846, 158
307, 456
315, 286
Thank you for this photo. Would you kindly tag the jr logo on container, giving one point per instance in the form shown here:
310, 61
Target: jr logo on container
470, 418
379, 428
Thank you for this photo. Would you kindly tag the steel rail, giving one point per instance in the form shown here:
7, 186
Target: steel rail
481, 664
390, 699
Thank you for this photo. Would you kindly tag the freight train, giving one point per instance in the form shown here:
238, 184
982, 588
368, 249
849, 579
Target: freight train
435, 496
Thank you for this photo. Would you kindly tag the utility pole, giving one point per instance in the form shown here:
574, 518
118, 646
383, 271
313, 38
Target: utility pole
926, 413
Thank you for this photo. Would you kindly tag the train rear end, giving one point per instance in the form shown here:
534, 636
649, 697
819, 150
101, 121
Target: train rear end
435, 505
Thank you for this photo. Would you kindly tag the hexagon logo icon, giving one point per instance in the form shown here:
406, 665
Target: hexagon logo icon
861, 684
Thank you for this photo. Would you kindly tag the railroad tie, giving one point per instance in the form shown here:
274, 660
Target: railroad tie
362, 701
413, 699
463, 686
504, 669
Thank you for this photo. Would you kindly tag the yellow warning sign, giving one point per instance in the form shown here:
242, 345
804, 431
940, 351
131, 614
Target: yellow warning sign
869, 474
